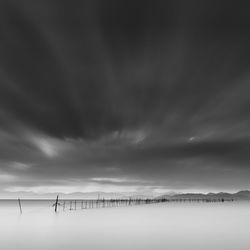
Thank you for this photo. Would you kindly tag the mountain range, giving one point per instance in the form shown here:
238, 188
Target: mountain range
241, 195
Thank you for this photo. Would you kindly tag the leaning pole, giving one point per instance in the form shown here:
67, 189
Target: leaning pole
56, 203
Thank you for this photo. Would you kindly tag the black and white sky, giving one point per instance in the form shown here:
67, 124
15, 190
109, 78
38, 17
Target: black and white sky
124, 96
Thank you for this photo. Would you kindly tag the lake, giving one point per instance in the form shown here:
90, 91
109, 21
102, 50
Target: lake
182, 226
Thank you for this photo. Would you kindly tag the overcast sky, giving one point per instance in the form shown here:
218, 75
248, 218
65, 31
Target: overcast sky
124, 96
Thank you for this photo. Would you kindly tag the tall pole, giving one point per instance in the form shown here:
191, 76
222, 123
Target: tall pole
56, 203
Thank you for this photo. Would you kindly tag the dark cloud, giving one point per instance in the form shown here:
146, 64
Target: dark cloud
144, 87
86, 69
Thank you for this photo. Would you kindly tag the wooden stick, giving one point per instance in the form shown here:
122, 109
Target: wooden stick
56, 203
20, 207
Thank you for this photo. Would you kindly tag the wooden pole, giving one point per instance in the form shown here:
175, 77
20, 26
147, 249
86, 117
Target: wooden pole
20, 207
56, 203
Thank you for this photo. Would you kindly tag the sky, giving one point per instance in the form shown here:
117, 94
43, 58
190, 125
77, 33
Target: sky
124, 96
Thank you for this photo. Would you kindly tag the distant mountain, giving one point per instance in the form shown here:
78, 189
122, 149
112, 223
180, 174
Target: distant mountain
244, 193
241, 195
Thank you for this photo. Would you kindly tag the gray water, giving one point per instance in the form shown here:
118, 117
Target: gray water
183, 226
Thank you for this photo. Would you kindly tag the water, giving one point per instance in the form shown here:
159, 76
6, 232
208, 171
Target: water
195, 226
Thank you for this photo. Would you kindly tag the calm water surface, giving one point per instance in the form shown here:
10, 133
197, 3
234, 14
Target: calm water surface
194, 226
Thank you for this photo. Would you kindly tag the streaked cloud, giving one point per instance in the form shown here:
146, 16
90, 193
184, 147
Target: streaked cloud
19, 166
94, 100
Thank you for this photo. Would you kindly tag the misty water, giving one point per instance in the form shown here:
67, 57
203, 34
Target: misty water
155, 226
